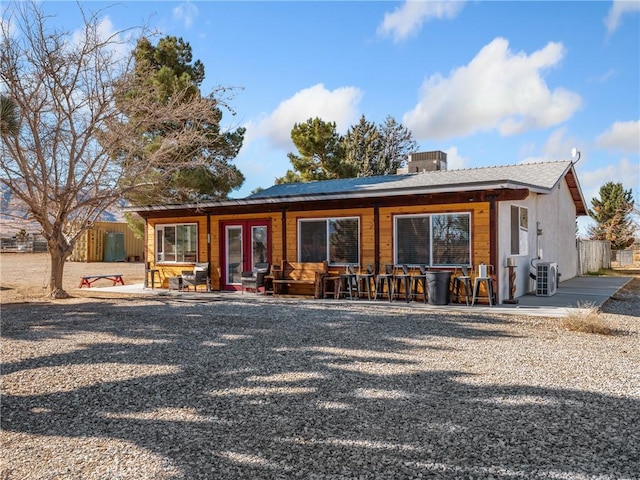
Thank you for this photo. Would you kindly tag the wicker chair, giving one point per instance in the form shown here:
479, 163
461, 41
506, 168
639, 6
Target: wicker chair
255, 279
198, 276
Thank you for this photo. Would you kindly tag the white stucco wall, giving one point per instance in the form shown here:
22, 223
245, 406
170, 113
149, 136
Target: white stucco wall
555, 215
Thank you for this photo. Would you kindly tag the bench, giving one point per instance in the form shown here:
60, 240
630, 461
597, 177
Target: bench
88, 280
302, 278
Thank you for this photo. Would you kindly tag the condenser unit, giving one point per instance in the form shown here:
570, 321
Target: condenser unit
546, 279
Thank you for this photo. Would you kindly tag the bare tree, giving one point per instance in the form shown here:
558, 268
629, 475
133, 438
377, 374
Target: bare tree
65, 165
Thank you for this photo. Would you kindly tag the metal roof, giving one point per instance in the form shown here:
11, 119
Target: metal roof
536, 177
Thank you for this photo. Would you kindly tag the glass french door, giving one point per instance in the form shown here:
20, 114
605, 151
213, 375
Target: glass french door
246, 244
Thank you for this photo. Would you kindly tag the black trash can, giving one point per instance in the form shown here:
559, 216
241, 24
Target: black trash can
438, 287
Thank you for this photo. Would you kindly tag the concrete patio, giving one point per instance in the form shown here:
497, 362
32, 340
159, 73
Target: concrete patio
578, 292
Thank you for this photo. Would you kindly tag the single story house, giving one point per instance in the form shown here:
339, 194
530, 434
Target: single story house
503, 215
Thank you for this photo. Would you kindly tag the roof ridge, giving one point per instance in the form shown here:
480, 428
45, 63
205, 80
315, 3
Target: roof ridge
503, 166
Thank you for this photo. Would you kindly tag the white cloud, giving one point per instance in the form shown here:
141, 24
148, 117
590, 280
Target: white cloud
621, 136
497, 90
185, 12
619, 8
337, 106
119, 45
455, 161
407, 19
557, 148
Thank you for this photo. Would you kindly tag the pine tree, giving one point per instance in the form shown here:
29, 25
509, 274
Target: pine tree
362, 146
165, 77
9, 116
321, 152
397, 144
612, 213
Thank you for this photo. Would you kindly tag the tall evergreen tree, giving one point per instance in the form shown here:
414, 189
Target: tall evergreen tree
321, 152
397, 143
612, 213
166, 75
377, 150
366, 150
362, 147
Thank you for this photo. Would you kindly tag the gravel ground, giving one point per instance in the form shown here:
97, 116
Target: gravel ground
168, 388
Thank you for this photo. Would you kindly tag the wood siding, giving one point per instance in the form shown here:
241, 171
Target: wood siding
286, 247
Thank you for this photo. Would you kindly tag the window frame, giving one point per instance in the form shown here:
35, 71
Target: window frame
430, 216
327, 236
516, 220
188, 255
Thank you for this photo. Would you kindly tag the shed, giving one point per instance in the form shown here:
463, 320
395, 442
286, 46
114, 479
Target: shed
108, 242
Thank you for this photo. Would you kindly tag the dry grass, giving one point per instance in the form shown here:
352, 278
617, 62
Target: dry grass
24, 276
587, 319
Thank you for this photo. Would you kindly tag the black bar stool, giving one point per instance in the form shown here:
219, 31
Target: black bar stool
381, 280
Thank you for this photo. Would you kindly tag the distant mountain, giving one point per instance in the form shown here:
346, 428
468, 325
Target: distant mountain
14, 216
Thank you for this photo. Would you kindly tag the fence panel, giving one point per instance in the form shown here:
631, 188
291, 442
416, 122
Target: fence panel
624, 258
593, 255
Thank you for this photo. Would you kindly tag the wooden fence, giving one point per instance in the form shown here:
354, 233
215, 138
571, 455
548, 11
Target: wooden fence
593, 255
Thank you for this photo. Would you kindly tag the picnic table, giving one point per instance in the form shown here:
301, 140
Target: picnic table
88, 280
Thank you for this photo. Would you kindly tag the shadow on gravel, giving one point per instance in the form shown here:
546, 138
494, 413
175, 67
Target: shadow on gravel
282, 391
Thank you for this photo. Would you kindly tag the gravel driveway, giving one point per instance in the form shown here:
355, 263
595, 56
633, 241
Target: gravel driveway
164, 388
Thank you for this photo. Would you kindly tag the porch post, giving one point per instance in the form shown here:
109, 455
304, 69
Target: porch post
376, 238
209, 239
493, 243
284, 235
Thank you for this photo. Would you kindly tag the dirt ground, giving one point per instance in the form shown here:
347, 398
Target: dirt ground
24, 276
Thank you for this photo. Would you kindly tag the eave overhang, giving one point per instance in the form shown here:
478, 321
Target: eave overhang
479, 192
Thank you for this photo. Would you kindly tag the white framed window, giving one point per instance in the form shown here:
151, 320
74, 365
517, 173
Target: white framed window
436, 240
177, 243
336, 240
519, 230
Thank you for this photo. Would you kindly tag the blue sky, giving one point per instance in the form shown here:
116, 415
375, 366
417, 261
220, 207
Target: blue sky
490, 83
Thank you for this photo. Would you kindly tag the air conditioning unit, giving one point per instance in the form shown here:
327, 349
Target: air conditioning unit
546, 279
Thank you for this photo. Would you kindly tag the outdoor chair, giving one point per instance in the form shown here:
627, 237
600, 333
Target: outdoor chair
383, 279
348, 283
402, 278
419, 280
366, 278
485, 275
254, 279
462, 281
198, 276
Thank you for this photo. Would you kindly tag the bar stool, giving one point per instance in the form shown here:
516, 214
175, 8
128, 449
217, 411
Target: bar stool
366, 277
348, 283
151, 272
484, 276
419, 280
403, 277
382, 279
464, 281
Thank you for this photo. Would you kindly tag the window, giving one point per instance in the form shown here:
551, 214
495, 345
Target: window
435, 240
519, 230
336, 240
177, 243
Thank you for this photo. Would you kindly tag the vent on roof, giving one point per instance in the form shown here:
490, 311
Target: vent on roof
426, 162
